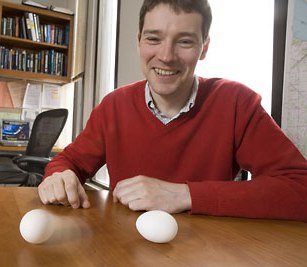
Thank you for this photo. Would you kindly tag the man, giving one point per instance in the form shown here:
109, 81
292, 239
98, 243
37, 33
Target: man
176, 142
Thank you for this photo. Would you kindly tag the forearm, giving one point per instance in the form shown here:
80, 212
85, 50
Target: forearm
59, 164
82, 162
263, 197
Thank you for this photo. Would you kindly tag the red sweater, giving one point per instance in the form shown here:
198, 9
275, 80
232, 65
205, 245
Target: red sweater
226, 130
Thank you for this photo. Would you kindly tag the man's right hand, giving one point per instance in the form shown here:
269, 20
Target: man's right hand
63, 188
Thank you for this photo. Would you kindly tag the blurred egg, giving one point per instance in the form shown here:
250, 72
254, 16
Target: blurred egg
157, 226
36, 226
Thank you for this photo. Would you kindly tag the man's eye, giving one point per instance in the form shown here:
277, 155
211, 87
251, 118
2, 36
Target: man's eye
186, 42
152, 40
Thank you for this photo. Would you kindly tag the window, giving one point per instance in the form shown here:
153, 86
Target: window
105, 61
241, 46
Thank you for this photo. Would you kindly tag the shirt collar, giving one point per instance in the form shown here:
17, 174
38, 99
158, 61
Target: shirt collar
187, 107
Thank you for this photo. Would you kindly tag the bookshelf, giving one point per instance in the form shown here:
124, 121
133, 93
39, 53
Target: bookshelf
35, 44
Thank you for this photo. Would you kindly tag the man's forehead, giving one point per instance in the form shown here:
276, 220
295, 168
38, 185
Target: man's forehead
168, 7
163, 18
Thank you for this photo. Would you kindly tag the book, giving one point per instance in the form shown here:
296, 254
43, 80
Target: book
61, 10
28, 26
23, 28
37, 27
32, 27
16, 26
33, 3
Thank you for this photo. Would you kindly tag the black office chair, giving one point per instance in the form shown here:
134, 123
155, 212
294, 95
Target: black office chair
28, 169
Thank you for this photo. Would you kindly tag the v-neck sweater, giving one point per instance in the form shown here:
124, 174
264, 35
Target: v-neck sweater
226, 130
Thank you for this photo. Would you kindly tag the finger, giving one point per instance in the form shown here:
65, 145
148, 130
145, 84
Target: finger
119, 194
51, 194
129, 181
116, 194
85, 203
46, 192
125, 187
72, 194
115, 199
125, 196
42, 193
137, 205
59, 193
43, 189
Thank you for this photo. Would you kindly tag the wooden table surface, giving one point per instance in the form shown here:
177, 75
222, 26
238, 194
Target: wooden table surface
105, 235
23, 149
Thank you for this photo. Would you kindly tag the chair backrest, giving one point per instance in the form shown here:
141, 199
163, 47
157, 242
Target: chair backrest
46, 129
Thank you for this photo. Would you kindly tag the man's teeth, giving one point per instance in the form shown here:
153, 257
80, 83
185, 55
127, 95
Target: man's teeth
165, 72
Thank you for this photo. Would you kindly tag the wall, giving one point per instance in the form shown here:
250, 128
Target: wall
128, 63
80, 10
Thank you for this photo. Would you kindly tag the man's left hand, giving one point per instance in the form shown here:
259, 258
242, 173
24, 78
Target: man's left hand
145, 193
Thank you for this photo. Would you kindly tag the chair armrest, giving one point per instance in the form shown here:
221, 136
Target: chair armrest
34, 166
10, 154
32, 159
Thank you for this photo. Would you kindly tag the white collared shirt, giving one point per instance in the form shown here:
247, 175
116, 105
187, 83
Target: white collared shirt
162, 117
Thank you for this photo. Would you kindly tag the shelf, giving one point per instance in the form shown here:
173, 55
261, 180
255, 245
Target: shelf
54, 25
32, 76
29, 44
18, 9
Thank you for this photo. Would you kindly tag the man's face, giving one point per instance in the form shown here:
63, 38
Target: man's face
169, 47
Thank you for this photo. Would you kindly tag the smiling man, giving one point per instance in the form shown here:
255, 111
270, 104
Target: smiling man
170, 47
176, 142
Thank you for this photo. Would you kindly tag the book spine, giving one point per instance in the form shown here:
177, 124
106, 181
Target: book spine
17, 26
46, 61
3, 26
28, 26
2, 49
66, 35
42, 31
9, 27
37, 27
23, 27
32, 26
52, 33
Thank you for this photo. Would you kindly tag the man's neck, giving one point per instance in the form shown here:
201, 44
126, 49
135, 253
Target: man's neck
171, 105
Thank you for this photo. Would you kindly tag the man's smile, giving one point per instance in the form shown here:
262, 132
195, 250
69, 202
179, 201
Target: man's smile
163, 72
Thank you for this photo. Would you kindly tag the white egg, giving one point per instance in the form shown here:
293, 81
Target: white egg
157, 226
37, 226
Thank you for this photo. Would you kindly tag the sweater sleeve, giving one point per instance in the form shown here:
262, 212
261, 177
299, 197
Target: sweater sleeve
87, 153
278, 187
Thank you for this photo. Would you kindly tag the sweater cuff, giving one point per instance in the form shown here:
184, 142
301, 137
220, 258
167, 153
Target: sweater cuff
204, 197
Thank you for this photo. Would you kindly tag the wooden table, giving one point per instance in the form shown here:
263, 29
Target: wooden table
23, 149
105, 235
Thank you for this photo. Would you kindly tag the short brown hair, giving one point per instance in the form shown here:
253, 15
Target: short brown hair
200, 6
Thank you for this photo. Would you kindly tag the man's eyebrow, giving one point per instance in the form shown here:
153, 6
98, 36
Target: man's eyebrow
180, 34
151, 32
188, 34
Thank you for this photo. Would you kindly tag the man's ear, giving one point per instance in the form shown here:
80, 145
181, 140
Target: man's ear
205, 49
138, 39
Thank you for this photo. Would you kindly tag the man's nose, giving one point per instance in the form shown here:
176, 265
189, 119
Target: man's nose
167, 52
